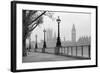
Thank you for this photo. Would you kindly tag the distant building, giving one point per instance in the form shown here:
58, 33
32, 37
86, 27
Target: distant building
49, 35
73, 34
50, 38
84, 40
54, 37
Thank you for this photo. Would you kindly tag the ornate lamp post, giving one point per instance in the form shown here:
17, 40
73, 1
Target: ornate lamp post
58, 44
44, 45
36, 43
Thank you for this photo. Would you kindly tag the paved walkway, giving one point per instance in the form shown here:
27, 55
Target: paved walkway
40, 57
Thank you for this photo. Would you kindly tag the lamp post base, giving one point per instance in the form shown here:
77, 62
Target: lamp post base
36, 48
44, 46
58, 46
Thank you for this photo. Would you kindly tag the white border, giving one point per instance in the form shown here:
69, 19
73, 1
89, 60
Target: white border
37, 65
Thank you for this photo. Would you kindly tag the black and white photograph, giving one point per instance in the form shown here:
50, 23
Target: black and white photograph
53, 36
56, 36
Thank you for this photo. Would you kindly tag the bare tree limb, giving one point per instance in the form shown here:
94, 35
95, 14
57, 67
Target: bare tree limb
34, 24
38, 17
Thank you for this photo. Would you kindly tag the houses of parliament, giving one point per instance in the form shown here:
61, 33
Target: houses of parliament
51, 39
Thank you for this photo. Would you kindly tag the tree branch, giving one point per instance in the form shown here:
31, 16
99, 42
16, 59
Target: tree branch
38, 17
33, 25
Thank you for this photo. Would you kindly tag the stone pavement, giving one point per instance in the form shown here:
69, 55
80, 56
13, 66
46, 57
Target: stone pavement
42, 57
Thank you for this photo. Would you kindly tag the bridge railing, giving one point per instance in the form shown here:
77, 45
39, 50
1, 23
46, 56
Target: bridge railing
80, 51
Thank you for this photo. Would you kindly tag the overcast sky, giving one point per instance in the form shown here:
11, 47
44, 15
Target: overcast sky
81, 21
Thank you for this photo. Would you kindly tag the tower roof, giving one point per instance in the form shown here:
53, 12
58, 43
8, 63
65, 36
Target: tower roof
73, 28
